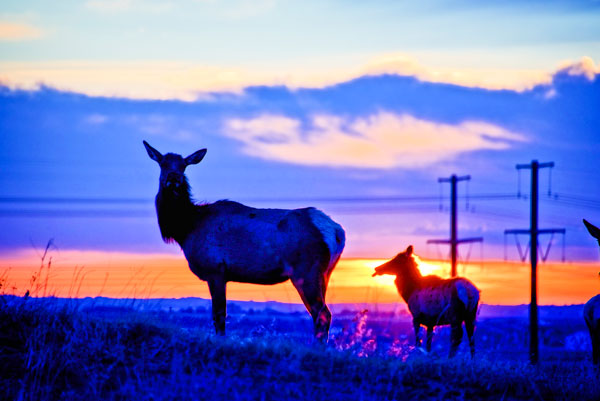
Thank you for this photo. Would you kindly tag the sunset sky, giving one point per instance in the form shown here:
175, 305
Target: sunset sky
356, 108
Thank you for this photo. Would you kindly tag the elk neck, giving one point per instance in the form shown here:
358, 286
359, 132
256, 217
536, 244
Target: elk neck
177, 214
408, 281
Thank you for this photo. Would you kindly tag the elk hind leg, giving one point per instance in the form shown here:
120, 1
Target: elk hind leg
470, 328
312, 293
456, 334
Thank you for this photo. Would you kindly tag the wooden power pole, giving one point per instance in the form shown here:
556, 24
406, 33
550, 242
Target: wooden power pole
454, 241
533, 232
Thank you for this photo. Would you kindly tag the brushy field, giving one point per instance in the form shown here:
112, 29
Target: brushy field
53, 350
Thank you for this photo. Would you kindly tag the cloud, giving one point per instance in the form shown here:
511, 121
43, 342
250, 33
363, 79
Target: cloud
120, 6
487, 78
585, 68
189, 81
134, 80
13, 31
109, 5
382, 140
96, 119
242, 9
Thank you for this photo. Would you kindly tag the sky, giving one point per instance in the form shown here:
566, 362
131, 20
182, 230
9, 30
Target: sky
355, 108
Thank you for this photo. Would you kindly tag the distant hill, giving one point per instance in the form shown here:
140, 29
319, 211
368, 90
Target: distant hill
399, 309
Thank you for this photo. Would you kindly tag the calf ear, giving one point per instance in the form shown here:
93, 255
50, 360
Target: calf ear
195, 157
153, 153
594, 231
409, 250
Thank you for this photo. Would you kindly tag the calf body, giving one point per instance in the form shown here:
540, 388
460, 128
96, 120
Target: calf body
227, 241
433, 301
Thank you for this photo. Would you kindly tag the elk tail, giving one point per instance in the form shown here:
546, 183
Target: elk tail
463, 290
333, 234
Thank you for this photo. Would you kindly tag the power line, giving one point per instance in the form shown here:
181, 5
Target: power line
574, 200
87, 213
341, 199
408, 204
72, 200
145, 213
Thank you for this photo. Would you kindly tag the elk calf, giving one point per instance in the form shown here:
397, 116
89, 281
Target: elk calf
434, 301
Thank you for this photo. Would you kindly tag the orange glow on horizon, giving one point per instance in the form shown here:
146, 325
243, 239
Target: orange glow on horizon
124, 275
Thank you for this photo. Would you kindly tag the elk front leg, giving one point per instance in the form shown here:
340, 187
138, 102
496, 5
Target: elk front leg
429, 337
417, 327
217, 287
595, 336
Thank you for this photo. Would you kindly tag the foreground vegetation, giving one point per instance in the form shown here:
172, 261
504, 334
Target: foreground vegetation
55, 352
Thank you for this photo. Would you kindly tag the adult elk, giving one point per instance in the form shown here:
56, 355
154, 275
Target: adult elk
227, 241
434, 301
591, 310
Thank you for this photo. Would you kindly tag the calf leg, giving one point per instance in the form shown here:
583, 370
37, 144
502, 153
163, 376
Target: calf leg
455, 337
417, 327
429, 337
217, 287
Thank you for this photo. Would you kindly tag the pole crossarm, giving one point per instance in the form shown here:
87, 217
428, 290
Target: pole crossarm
552, 231
458, 241
529, 166
539, 231
455, 178
472, 239
517, 231
439, 241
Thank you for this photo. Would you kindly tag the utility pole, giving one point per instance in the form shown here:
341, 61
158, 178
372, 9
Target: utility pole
454, 241
533, 232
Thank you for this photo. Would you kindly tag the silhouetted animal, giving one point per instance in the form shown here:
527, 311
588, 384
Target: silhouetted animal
434, 301
227, 241
591, 310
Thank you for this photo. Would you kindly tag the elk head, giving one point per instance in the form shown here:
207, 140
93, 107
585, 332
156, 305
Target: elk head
402, 264
172, 168
593, 230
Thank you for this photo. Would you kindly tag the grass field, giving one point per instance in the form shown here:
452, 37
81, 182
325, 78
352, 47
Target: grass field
58, 349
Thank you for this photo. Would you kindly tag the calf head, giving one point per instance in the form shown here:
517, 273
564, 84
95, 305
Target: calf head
172, 168
401, 265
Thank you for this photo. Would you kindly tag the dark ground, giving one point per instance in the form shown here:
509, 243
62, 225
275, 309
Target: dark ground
69, 349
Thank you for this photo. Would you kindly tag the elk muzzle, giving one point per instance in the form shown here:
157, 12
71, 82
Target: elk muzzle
174, 181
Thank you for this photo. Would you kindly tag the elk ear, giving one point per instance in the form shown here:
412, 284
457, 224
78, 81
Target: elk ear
153, 153
409, 250
195, 157
594, 231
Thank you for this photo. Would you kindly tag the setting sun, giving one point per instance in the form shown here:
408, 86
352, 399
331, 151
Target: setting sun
122, 275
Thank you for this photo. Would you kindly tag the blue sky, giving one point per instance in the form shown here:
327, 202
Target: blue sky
242, 31
345, 106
